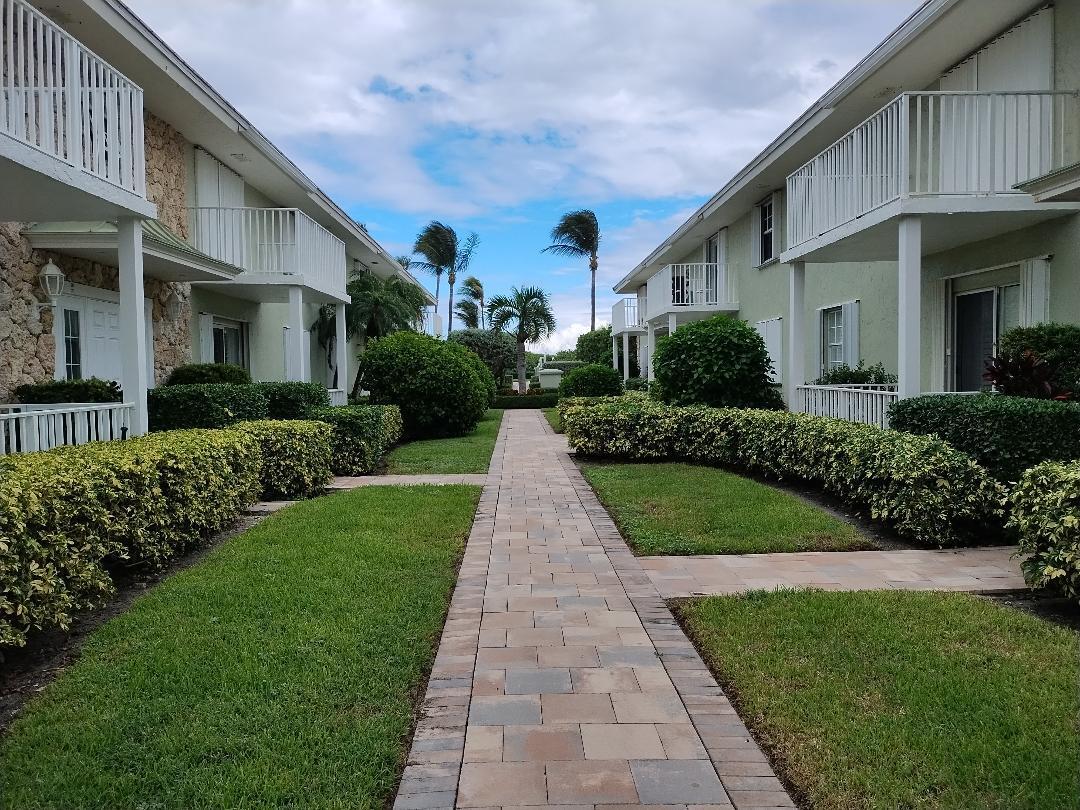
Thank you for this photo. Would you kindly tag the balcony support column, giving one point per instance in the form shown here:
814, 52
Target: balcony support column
649, 344
133, 326
294, 344
614, 352
341, 349
796, 349
626, 356
672, 323
909, 270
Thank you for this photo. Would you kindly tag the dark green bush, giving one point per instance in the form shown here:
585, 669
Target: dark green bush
1046, 517
1056, 343
497, 349
204, 406
208, 373
591, 381
636, 384
91, 389
720, 361
516, 402
1006, 435
483, 373
66, 514
924, 489
436, 384
296, 456
363, 434
861, 374
595, 347
293, 400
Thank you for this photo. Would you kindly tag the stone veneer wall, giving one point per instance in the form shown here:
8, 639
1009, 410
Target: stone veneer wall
27, 344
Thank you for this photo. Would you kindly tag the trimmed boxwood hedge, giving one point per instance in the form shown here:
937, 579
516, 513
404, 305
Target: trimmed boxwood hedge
296, 456
919, 485
92, 389
67, 514
1006, 435
591, 381
208, 373
1046, 517
363, 434
519, 401
293, 400
216, 405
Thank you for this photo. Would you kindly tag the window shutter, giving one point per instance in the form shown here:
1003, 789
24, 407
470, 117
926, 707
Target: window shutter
1036, 303
755, 236
935, 300
850, 315
777, 224
772, 333
230, 187
206, 337
207, 194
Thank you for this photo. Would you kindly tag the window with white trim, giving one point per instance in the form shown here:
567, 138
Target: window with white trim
230, 342
832, 338
72, 345
764, 242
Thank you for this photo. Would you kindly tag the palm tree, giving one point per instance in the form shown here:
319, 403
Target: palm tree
473, 290
578, 235
468, 313
444, 253
525, 314
378, 307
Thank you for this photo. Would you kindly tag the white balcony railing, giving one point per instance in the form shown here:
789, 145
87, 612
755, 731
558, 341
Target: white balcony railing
693, 287
868, 404
625, 317
271, 241
933, 143
58, 97
28, 428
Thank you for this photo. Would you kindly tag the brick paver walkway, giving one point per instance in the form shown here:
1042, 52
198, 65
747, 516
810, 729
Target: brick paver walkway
967, 569
561, 677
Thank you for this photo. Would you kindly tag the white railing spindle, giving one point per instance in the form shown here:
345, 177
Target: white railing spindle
33, 427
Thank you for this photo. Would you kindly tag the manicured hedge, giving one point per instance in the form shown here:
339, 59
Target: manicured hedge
362, 435
66, 515
591, 381
1006, 435
92, 389
1046, 516
296, 456
516, 401
926, 490
293, 400
175, 407
208, 373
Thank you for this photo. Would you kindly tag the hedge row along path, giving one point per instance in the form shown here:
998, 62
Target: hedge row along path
561, 677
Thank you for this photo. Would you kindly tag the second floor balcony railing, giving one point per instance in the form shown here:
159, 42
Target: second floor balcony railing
692, 287
625, 316
59, 98
272, 242
933, 143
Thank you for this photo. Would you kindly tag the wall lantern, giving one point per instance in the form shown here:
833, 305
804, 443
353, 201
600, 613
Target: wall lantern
172, 306
52, 283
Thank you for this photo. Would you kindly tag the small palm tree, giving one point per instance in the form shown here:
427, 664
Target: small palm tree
468, 313
526, 314
444, 253
473, 290
578, 234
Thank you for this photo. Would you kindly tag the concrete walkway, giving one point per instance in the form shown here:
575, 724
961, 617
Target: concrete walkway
561, 677
352, 482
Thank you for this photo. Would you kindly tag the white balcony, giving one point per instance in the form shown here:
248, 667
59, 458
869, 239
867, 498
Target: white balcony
691, 290
275, 248
71, 126
933, 153
625, 317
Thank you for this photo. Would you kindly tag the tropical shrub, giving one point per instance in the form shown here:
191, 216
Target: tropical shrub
1024, 375
483, 373
436, 384
293, 400
296, 456
68, 515
720, 361
1056, 343
362, 435
595, 347
591, 381
1046, 517
636, 384
919, 485
496, 349
214, 405
205, 373
1006, 435
861, 374
539, 399
92, 389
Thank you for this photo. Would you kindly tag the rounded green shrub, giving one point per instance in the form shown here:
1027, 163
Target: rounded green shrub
92, 389
497, 349
293, 400
592, 380
1056, 343
437, 385
637, 384
720, 362
207, 373
174, 407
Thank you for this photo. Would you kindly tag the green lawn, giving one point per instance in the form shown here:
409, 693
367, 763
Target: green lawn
552, 415
282, 671
901, 699
687, 509
461, 454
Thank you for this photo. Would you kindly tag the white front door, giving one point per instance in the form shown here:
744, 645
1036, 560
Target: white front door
88, 337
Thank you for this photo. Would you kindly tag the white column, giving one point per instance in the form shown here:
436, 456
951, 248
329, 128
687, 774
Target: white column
626, 355
341, 347
614, 352
796, 348
651, 342
672, 323
132, 320
909, 301
294, 359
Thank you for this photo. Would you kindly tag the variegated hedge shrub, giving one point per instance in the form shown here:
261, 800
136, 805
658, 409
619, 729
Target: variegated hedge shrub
363, 434
1046, 516
296, 456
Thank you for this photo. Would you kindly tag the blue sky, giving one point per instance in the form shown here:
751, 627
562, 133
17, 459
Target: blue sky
497, 116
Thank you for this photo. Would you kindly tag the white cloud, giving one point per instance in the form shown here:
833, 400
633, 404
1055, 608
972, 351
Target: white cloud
564, 338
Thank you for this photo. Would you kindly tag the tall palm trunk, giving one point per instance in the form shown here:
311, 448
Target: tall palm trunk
451, 277
522, 389
593, 264
361, 345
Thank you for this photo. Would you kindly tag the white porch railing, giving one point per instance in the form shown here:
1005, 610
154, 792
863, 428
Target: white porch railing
58, 97
271, 241
933, 143
868, 404
338, 397
694, 286
624, 316
28, 428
